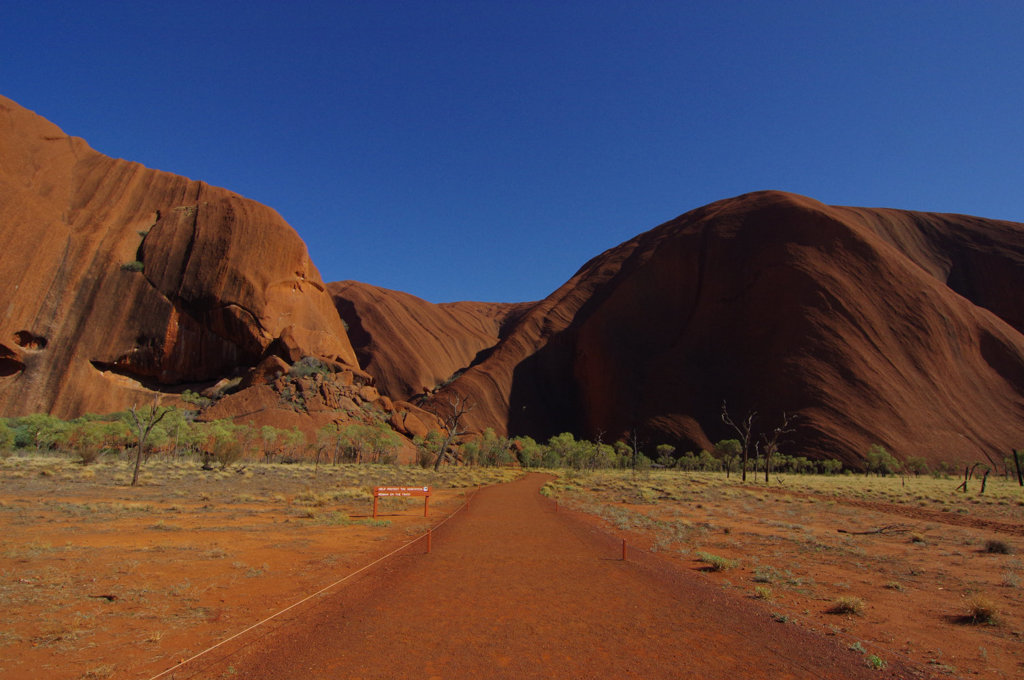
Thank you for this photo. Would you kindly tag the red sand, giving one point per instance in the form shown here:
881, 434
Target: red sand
512, 589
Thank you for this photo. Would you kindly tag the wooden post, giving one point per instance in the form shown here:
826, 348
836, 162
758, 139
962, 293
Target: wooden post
963, 484
375, 506
426, 504
623, 550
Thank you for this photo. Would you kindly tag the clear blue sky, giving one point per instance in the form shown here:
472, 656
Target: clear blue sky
485, 150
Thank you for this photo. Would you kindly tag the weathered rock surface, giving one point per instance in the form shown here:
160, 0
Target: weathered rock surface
872, 326
412, 346
118, 279
900, 328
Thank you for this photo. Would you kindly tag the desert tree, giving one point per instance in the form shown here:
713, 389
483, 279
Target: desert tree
728, 450
143, 420
770, 442
6, 437
745, 432
269, 436
665, 455
880, 461
452, 414
90, 439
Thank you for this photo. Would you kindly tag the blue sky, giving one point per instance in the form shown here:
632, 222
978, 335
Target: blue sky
485, 150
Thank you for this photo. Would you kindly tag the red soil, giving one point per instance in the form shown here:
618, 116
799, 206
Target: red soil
514, 589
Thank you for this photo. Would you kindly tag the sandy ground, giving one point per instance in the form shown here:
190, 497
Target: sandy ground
100, 580
913, 553
512, 589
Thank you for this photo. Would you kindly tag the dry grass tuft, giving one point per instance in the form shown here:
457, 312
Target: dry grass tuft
981, 610
848, 605
998, 547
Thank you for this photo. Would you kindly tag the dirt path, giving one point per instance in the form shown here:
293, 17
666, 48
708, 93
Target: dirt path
513, 589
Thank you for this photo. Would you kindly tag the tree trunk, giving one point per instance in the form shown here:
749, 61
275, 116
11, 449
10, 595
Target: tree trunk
138, 463
442, 451
1016, 461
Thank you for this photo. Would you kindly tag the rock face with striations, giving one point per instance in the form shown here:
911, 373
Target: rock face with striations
899, 328
871, 326
117, 279
412, 346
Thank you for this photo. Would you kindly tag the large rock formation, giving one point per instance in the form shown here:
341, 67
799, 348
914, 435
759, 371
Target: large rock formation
412, 346
872, 326
119, 279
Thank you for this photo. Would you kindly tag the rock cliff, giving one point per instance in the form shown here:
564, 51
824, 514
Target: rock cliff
119, 280
412, 346
871, 326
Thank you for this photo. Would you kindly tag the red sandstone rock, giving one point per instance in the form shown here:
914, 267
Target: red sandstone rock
407, 342
265, 372
873, 326
119, 279
369, 394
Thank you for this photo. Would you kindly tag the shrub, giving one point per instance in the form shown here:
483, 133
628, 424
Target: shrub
848, 605
763, 592
196, 399
6, 437
716, 562
666, 457
133, 266
875, 661
980, 609
307, 366
830, 467
998, 547
917, 466
880, 461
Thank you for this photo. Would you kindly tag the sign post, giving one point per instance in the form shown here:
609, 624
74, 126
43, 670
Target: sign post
404, 492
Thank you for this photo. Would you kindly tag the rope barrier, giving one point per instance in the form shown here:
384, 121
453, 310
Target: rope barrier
178, 665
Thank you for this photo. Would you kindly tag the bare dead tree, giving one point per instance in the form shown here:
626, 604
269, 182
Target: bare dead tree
144, 420
770, 442
454, 411
968, 473
745, 431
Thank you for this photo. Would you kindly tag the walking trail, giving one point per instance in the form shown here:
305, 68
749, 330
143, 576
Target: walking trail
514, 589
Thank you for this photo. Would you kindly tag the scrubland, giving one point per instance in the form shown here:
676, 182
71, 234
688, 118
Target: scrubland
897, 568
99, 579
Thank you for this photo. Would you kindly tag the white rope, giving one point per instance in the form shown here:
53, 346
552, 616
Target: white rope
310, 597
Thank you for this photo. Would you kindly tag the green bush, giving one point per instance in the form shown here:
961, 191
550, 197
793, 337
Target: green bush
133, 266
307, 366
917, 466
716, 562
880, 461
